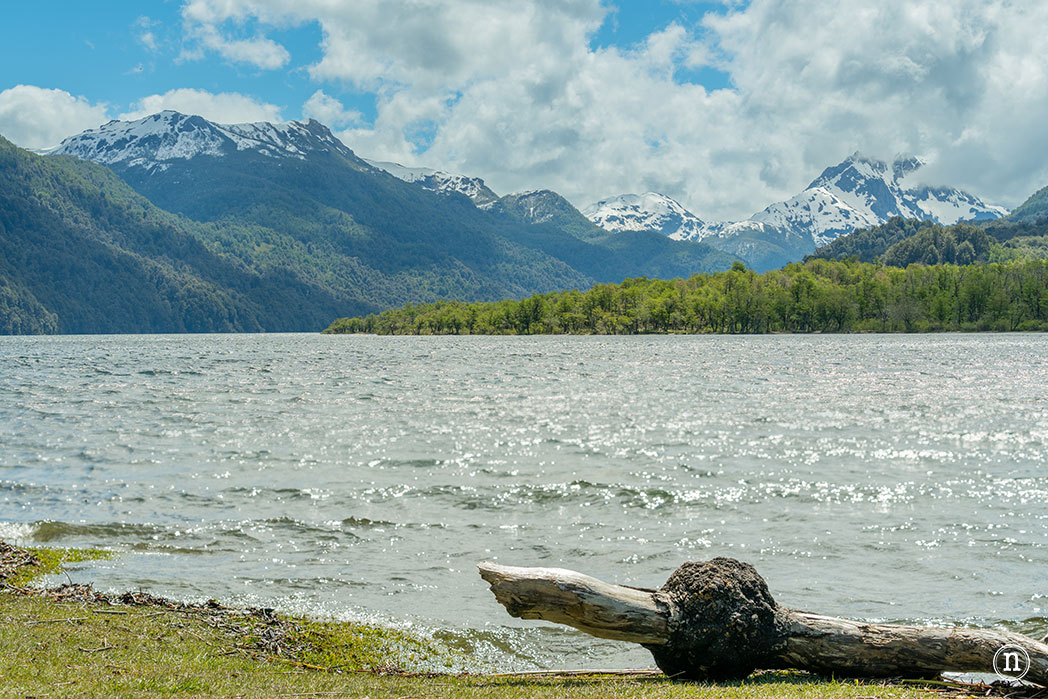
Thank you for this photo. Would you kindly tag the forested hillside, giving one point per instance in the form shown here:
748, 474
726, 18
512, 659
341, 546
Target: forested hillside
1033, 209
415, 244
80, 252
259, 244
901, 242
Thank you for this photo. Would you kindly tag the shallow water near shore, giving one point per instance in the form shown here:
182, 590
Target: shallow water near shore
898, 478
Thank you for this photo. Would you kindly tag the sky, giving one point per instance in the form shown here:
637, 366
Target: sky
725, 106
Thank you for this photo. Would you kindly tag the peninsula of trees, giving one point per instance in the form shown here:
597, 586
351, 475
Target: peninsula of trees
818, 295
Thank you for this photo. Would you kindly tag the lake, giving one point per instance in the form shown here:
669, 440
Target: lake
896, 478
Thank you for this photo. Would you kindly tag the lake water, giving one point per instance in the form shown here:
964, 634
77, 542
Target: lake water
878, 477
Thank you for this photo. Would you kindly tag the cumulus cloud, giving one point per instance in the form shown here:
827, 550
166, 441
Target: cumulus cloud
258, 51
329, 111
35, 117
960, 83
203, 22
514, 91
221, 107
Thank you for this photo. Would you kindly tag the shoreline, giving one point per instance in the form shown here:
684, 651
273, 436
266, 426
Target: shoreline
73, 640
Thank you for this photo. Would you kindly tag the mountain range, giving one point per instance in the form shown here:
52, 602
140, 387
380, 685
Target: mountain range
857, 193
188, 225
174, 223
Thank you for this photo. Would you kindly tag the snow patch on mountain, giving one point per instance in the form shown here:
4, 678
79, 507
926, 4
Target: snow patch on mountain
865, 192
294, 138
946, 204
749, 229
646, 212
533, 205
858, 192
819, 212
155, 140
440, 181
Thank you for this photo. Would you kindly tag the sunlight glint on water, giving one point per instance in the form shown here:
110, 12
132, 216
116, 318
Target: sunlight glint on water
895, 478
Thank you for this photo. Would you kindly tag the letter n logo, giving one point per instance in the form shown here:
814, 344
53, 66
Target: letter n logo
1011, 662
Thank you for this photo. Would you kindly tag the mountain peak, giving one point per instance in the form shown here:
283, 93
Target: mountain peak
535, 194
154, 141
857, 192
643, 212
862, 191
856, 167
861, 166
860, 157
541, 206
905, 164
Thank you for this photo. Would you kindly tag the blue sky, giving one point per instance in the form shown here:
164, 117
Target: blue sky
725, 106
96, 50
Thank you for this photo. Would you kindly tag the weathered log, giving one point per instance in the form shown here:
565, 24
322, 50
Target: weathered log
566, 597
716, 620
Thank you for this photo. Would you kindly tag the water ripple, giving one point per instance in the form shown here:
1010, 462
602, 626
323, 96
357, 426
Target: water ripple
880, 477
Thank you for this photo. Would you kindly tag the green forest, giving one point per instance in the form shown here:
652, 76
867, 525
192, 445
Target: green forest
818, 295
900, 242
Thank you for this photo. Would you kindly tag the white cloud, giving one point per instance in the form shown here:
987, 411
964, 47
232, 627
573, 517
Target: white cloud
203, 22
221, 107
329, 111
963, 83
258, 51
512, 91
144, 26
35, 117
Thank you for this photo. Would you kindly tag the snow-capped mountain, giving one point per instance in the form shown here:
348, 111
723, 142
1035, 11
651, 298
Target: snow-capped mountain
158, 152
862, 192
440, 181
303, 196
857, 193
646, 212
155, 141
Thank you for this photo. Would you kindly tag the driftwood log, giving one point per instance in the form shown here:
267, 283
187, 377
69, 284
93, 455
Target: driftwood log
716, 620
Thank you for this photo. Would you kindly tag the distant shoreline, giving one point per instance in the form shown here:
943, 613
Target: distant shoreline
815, 297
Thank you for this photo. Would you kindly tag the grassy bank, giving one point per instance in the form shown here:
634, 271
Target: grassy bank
73, 641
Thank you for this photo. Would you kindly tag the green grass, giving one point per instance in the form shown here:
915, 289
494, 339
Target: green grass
355, 647
56, 649
97, 649
50, 562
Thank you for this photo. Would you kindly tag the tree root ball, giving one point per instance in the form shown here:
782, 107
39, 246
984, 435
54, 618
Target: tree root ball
723, 621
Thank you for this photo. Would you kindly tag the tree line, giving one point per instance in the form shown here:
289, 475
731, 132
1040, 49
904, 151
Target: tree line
818, 295
900, 242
